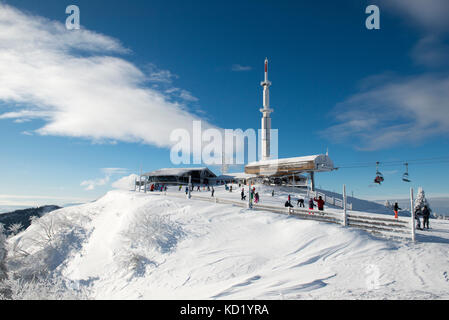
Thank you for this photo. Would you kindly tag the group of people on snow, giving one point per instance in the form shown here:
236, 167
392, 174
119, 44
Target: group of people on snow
157, 187
300, 203
424, 212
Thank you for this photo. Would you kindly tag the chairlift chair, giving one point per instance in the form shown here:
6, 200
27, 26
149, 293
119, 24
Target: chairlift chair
379, 176
405, 176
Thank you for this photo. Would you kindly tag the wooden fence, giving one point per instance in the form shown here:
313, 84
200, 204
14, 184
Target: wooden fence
377, 224
330, 200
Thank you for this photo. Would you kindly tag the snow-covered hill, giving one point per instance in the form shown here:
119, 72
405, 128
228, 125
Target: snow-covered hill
130, 245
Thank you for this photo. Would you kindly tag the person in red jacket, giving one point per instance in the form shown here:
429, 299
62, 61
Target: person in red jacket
320, 203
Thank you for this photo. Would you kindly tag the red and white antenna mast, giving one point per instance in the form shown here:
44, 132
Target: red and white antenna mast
266, 119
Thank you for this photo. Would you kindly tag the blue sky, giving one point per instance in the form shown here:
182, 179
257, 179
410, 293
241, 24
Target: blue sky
93, 105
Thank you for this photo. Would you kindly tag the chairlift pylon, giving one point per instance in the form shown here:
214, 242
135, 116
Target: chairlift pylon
379, 176
405, 176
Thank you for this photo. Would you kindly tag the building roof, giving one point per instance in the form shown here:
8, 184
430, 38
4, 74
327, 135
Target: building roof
236, 175
176, 172
317, 163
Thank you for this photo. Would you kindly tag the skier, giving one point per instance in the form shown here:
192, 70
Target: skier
256, 197
396, 209
187, 190
300, 202
288, 204
198, 188
243, 197
180, 187
230, 188
272, 193
289, 198
213, 191
425, 214
320, 203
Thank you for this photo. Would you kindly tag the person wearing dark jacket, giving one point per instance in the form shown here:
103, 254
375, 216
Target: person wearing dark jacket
300, 202
311, 204
425, 214
396, 210
320, 203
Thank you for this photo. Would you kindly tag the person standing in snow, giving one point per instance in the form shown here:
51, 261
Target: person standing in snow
289, 198
396, 210
311, 204
213, 191
187, 190
230, 188
242, 194
320, 203
425, 214
256, 197
272, 193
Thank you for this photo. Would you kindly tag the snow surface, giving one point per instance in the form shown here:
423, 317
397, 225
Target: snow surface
131, 245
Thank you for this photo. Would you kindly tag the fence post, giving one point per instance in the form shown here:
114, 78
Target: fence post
412, 214
345, 221
190, 187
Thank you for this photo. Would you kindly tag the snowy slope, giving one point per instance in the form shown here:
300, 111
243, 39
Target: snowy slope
130, 245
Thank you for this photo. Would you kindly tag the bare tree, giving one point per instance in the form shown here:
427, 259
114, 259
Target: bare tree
3, 254
15, 228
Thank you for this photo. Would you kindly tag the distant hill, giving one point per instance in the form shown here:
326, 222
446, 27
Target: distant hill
23, 216
439, 205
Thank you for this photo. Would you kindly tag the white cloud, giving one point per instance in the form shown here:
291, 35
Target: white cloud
111, 171
92, 184
36, 200
428, 14
431, 51
431, 18
125, 183
238, 68
108, 172
71, 80
158, 75
395, 111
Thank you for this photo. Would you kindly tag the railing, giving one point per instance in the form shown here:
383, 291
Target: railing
374, 223
330, 200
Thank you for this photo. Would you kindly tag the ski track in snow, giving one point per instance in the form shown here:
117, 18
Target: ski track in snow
202, 250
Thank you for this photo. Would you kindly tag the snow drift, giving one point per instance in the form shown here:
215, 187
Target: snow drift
130, 245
